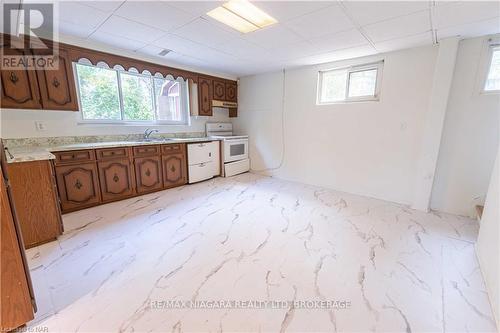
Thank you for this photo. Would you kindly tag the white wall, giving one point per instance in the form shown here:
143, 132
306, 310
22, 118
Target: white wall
488, 243
470, 135
369, 148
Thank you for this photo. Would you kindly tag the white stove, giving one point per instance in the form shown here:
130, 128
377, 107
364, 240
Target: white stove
234, 148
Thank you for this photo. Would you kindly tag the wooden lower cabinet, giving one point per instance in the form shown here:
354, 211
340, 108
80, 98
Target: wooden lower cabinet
148, 173
174, 170
78, 186
35, 196
116, 179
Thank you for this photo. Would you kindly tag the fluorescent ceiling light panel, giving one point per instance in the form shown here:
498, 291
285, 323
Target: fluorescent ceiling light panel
250, 12
242, 16
227, 17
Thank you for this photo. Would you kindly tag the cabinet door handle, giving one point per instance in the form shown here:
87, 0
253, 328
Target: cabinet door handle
116, 178
148, 173
13, 78
78, 184
55, 82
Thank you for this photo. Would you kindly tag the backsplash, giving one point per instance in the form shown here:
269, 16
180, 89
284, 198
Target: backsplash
67, 140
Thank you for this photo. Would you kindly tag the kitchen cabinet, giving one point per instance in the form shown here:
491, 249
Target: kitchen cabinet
57, 87
174, 165
116, 179
78, 186
219, 90
231, 91
148, 174
35, 196
19, 87
48, 89
205, 96
17, 298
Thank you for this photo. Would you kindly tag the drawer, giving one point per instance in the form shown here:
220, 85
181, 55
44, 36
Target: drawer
146, 150
201, 171
172, 148
73, 156
201, 152
106, 153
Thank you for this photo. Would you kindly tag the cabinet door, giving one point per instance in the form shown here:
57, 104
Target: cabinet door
174, 170
219, 90
78, 186
148, 174
205, 96
57, 87
231, 92
116, 179
19, 87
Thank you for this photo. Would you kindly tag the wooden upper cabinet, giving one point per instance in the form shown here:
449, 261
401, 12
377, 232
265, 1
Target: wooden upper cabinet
231, 91
78, 186
205, 96
219, 90
148, 174
57, 86
116, 179
19, 87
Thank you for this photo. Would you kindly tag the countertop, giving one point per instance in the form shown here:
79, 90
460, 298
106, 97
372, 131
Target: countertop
26, 154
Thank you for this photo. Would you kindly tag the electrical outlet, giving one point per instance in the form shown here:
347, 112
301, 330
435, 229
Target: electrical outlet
40, 126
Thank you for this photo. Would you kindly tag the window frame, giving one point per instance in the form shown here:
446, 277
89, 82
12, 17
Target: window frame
379, 65
492, 47
186, 121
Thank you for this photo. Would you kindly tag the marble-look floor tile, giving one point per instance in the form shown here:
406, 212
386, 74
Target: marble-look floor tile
258, 238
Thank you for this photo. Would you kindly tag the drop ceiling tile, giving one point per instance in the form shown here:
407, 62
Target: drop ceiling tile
178, 44
154, 13
465, 12
204, 32
286, 10
293, 51
106, 6
329, 20
338, 41
405, 42
402, 26
129, 29
366, 12
117, 41
354, 52
71, 29
196, 7
481, 28
273, 36
242, 49
77, 14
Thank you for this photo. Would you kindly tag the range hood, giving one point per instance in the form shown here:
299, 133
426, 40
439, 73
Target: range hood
224, 104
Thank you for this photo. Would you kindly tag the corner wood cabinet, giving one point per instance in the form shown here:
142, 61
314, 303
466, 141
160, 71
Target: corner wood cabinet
35, 196
41, 89
205, 96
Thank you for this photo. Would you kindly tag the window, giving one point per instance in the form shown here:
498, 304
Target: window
492, 82
114, 95
358, 83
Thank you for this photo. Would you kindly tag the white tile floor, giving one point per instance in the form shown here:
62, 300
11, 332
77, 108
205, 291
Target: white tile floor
257, 238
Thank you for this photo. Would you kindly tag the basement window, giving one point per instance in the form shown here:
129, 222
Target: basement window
351, 84
492, 83
112, 95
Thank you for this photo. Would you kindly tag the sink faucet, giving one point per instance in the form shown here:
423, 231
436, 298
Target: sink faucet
148, 132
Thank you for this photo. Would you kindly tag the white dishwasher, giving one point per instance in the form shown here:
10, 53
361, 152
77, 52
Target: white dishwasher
203, 160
